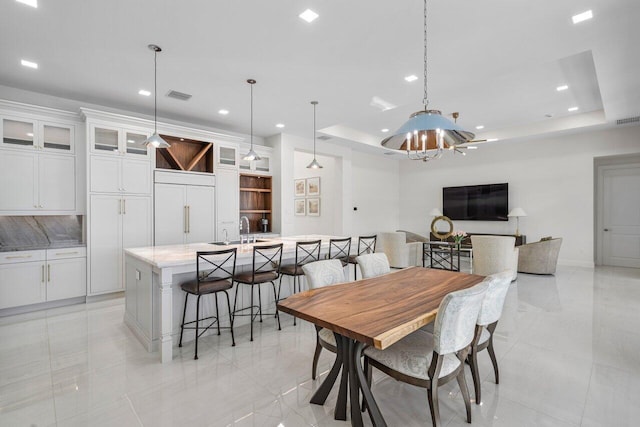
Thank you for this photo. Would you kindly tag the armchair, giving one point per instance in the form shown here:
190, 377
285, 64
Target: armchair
539, 257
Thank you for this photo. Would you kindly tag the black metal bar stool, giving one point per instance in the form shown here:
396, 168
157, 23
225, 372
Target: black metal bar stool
339, 249
306, 252
366, 245
265, 268
214, 273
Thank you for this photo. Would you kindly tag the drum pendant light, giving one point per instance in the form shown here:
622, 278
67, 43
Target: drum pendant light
155, 140
314, 163
251, 155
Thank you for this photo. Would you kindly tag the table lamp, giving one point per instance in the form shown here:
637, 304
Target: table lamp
517, 212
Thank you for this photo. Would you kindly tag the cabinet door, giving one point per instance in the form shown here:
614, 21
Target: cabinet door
136, 222
170, 222
57, 182
134, 144
136, 176
105, 174
227, 157
227, 207
201, 214
56, 137
66, 278
22, 284
263, 165
18, 133
18, 172
104, 140
105, 235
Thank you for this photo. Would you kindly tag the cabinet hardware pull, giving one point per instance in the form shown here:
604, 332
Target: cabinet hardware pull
188, 219
66, 253
184, 219
124, 206
48, 272
18, 256
42, 275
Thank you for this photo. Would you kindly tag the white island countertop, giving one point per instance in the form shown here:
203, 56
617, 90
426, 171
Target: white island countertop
180, 255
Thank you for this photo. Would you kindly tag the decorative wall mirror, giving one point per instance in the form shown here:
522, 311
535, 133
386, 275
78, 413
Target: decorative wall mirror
435, 229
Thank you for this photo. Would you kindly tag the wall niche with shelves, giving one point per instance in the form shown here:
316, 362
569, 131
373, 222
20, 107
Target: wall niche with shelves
255, 201
185, 155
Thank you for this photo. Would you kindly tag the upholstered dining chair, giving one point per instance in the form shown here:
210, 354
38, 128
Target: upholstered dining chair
373, 265
490, 313
366, 245
320, 274
429, 361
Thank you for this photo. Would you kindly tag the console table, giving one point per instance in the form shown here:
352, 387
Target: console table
520, 240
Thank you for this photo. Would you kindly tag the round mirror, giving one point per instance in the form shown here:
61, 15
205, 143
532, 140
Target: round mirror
435, 229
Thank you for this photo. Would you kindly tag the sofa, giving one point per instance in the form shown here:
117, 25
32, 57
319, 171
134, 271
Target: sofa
540, 257
494, 254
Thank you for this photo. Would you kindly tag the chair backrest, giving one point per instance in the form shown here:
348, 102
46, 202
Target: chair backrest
367, 244
493, 301
266, 259
493, 254
394, 245
455, 322
323, 273
307, 252
373, 265
215, 265
340, 248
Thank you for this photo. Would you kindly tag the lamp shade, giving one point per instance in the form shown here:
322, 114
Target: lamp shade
435, 212
517, 212
156, 141
426, 122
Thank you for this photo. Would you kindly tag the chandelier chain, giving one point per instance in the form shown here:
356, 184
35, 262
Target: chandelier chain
425, 100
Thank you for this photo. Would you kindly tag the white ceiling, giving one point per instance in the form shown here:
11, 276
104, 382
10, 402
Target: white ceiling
497, 62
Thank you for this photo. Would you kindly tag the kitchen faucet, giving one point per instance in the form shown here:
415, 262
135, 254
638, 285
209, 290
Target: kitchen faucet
244, 217
226, 236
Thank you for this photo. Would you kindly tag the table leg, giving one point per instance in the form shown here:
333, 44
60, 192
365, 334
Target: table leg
320, 396
354, 386
372, 407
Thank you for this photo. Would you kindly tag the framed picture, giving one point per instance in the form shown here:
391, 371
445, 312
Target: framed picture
313, 207
300, 207
299, 187
313, 186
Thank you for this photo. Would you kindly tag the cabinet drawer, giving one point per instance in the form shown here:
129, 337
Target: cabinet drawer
63, 253
21, 256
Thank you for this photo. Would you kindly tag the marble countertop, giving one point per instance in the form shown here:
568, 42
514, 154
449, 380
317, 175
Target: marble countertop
179, 255
57, 245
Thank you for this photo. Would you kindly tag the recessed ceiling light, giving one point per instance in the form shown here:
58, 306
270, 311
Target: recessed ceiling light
144, 92
572, 109
280, 125
32, 3
29, 64
309, 15
223, 112
411, 78
472, 147
385, 130
480, 127
584, 16
492, 139
561, 88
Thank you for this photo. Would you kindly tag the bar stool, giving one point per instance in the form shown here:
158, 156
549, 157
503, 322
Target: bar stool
366, 245
214, 273
306, 252
265, 268
339, 249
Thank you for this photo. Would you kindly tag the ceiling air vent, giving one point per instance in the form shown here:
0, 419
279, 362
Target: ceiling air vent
628, 120
324, 138
178, 95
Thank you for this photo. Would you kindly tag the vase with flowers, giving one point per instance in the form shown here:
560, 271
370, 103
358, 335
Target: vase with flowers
458, 236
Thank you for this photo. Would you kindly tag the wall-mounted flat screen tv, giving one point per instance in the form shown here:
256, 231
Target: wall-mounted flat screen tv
476, 202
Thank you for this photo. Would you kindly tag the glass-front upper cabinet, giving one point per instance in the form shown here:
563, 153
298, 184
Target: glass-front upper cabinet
227, 156
112, 140
262, 165
34, 134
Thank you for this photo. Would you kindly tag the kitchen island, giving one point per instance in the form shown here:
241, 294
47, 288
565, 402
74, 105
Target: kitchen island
154, 300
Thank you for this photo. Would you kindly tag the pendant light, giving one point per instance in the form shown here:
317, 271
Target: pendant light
155, 140
427, 129
251, 155
314, 163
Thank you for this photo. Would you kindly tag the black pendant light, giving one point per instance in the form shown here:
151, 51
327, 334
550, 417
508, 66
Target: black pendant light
155, 140
314, 163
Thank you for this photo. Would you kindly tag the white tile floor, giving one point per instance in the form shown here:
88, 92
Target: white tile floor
568, 348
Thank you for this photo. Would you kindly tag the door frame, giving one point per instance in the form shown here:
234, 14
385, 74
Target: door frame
601, 164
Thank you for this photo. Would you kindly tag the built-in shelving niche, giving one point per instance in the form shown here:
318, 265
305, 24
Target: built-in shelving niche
185, 155
255, 200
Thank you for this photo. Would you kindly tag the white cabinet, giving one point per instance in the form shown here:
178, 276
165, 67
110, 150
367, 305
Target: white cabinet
31, 277
184, 214
22, 133
227, 205
262, 166
120, 175
37, 181
117, 141
116, 222
226, 156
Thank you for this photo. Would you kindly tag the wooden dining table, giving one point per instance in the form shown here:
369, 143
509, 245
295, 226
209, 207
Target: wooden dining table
371, 312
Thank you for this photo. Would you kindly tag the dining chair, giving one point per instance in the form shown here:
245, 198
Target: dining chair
214, 274
373, 265
306, 252
490, 313
320, 274
366, 245
340, 249
265, 268
429, 361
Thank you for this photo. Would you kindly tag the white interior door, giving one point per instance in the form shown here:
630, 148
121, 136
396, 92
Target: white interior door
621, 217
200, 211
170, 223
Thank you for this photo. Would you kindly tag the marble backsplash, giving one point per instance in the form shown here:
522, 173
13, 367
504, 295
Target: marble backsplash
40, 232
